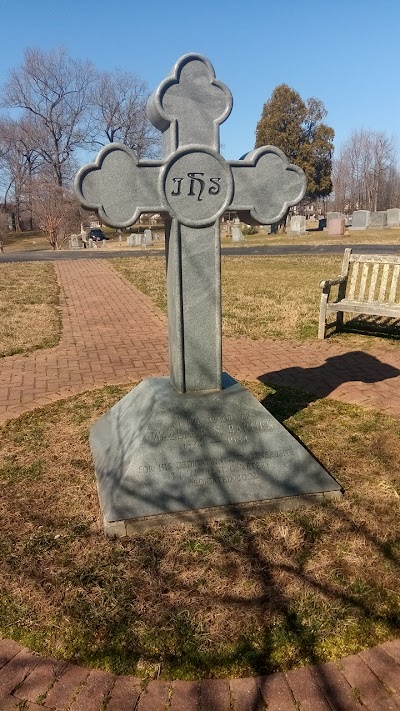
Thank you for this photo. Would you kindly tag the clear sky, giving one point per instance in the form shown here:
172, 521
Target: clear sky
345, 52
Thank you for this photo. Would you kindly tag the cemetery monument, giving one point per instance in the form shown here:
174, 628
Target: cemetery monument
196, 444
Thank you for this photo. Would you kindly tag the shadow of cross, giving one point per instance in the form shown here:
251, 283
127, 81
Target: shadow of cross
191, 187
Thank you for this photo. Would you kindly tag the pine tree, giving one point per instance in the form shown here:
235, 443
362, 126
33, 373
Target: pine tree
296, 127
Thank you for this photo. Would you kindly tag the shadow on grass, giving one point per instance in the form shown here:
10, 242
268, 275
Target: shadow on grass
321, 381
110, 591
383, 327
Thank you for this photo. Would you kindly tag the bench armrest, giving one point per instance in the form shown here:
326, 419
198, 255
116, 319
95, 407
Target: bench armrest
327, 283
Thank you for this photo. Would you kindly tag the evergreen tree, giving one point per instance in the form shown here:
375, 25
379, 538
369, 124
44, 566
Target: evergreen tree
296, 127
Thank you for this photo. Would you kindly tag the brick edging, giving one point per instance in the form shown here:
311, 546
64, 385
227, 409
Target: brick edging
370, 679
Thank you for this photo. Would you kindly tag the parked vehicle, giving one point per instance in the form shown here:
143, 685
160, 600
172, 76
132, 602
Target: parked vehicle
96, 234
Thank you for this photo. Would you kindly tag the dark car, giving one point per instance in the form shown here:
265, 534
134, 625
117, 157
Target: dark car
96, 234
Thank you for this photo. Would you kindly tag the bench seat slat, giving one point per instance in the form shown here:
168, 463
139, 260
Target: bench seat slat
364, 307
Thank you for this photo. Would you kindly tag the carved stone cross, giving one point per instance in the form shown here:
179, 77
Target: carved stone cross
192, 187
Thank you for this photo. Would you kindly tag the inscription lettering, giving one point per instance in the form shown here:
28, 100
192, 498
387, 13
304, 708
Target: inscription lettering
196, 181
178, 187
215, 186
214, 427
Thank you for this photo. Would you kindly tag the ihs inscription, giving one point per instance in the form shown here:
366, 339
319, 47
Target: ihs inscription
197, 185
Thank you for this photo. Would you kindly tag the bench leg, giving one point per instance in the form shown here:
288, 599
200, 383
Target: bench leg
322, 316
339, 320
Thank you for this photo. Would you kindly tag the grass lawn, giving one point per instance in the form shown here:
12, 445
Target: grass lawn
30, 317
313, 237
269, 297
234, 598
34, 241
263, 297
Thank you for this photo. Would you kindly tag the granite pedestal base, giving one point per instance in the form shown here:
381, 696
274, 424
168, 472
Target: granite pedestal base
162, 457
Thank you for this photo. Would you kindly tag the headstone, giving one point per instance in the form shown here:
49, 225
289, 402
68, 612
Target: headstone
148, 237
74, 242
298, 224
90, 242
196, 444
378, 220
321, 223
333, 215
361, 220
393, 217
131, 240
237, 234
336, 226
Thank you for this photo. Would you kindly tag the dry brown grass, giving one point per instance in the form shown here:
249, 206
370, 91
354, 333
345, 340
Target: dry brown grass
34, 241
30, 318
229, 599
30, 241
267, 297
313, 237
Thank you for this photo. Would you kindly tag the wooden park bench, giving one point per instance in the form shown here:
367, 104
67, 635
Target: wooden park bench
368, 284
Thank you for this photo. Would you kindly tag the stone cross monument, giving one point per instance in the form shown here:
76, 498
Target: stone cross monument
171, 445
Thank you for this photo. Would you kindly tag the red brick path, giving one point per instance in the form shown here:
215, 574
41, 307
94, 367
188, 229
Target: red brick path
113, 334
369, 680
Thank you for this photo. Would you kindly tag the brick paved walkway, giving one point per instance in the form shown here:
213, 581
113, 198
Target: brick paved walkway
113, 334
369, 680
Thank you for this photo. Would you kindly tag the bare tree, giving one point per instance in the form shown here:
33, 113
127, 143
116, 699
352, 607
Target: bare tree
19, 144
362, 171
55, 210
54, 90
4, 229
383, 152
119, 103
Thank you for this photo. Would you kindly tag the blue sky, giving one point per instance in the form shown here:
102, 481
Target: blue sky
345, 52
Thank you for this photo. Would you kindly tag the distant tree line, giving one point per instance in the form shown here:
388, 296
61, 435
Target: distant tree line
53, 107
365, 173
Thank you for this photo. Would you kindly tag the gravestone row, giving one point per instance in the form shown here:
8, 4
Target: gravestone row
366, 219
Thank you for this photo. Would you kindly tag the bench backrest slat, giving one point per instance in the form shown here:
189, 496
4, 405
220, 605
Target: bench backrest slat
382, 290
372, 286
371, 277
353, 281
394, 284
363, 283
376, 258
